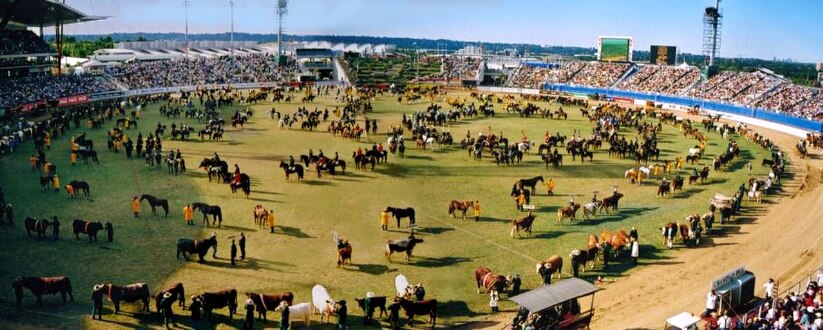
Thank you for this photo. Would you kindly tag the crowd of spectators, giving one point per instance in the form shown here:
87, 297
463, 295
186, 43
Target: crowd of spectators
531, 76
811, 109
201, 71
14, 42
796, 310
753, 94
726, 89
455, 67
786, 98
599, 74
661, 79
19, 91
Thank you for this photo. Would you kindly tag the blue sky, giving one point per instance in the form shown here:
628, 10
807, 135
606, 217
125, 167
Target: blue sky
752, 28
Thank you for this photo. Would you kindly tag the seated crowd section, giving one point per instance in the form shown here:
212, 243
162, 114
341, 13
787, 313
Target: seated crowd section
19, 42
455, 67
19, 91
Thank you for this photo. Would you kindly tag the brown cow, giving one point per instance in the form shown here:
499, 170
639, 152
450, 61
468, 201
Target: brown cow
617, 241
264, 303
344, 254
178, 292
218, 300
567, 212
522, 222
581, 257
425, 307
128, 293
40, 286
554, 263
487, 279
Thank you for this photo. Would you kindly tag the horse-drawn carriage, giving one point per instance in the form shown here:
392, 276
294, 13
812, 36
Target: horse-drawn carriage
555, 306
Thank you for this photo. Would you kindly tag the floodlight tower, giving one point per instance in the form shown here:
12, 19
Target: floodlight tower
712, 24
282, 10
186, 6
231, 38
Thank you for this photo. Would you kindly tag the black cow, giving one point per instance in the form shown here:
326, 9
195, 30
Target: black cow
402, 245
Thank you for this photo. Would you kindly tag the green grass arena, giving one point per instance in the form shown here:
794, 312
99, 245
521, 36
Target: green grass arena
301, 253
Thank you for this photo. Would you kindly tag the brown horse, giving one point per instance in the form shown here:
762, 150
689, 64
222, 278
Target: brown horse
567, 212
554, 263
40, 286
460, 206
490, 281
344, 254
524, 223
260, 216
264, 303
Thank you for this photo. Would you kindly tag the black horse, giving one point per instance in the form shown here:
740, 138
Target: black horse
530, 182
361, 161
305, 159
297, 169
154, 202
245, 185
190, 246
400, 213
218, 169
85, 155
88, 228
80, 186
213, 210
380, 156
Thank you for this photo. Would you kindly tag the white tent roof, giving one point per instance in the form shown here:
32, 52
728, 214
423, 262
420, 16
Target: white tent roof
684, 320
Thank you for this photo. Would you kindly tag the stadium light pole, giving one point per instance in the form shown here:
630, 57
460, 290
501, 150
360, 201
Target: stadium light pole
231, 38
186, 6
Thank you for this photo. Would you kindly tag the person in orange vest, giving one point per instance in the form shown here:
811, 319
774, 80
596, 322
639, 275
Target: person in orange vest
550, 187
271, 220
384, 220
521, 200
55, 181
73, 158
70, 190
47, 141
188, 214
476, 208
33, 161
135, 207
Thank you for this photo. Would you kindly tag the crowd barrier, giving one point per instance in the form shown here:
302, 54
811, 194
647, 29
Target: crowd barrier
763, 114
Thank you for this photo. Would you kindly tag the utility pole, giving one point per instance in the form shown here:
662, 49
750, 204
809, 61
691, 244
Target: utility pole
186, 5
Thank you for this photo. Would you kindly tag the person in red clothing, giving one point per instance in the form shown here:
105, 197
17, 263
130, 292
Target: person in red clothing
380, 147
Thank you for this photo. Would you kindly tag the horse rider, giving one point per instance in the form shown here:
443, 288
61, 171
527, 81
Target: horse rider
320, 155
359, 152
215, 159
571, 202
311, 154
336, 157
291, 162
594, 197
236, 170
694, 171
677, 177
614, 192
380, 147
664, 182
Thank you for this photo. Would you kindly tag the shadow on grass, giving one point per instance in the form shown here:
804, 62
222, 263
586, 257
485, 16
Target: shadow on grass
455, 308
687, 193
438, 262
318, 183
291, 231
372, 269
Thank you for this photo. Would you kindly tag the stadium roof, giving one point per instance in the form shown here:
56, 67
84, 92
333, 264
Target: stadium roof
35, 13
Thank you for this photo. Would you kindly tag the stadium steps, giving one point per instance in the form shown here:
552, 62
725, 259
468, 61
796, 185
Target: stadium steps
631, 71
768, 94
689, 87
115, 82
510, 78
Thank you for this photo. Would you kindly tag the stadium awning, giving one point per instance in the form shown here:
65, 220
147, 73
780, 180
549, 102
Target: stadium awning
34, 13
547, 296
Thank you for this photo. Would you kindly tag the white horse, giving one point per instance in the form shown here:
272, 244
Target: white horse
431, 143
694, 151
301, 311
590, 209
523, 147
646, 170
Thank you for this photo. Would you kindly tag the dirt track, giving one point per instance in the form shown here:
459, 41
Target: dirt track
780, 240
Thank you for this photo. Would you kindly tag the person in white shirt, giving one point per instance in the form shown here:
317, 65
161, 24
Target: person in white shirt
724, 322
711, 303
769, 288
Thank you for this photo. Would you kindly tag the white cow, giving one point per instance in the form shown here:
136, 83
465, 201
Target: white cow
301, 311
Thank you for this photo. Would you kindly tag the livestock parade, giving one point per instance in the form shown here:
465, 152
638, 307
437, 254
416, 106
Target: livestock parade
466, 188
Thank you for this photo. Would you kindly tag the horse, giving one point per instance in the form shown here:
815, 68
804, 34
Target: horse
669, 232
567, 212
663, 189
678, 183
260, 215
37, 226
555, 265
213, 210
190, 246
522, 222
460, 206
630, 175
128, 293
425, 307
704, 174
402, 245
86, 227
154, 202
361, 161
530, 182
591, 208
400, 213
245, 185
78, 186
264, 303
344, 254
297, 169
488, 280
40, 286
85, 155
178, 293
611, 202
218, 300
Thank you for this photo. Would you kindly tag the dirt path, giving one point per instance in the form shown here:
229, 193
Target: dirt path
777, 240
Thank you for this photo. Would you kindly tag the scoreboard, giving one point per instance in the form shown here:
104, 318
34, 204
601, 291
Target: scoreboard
663, 55
615, 49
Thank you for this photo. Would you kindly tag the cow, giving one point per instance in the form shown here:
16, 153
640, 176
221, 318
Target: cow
40, 286
425, 307
522, 222
554, 263
402, 245
373, 303
128, 293
485, 278
265, 302
581, 257
301, 311
218, 300
37, 226
88, 228
178, 292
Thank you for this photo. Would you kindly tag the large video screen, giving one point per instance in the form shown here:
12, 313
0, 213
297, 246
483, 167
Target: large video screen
663, 55
615, 50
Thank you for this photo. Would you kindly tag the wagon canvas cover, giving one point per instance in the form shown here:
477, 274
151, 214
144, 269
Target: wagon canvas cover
721, 201
547, 296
